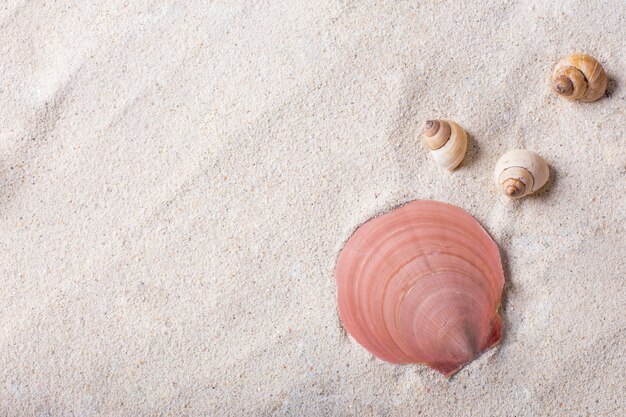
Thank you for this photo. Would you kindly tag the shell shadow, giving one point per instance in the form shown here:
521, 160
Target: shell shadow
509, 285
612, 86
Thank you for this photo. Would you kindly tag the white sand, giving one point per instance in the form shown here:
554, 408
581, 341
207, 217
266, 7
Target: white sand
177, 179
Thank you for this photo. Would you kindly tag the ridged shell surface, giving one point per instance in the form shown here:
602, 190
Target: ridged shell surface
421, 284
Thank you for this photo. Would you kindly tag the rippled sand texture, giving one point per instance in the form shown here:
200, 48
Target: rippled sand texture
178, 178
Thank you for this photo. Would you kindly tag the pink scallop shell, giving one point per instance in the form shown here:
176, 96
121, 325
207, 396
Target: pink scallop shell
422, 284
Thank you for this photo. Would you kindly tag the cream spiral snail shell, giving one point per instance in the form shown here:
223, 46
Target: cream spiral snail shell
447, 142
520, 172
579, 77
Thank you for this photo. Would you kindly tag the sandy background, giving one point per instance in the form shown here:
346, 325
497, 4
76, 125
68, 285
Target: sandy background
177, 179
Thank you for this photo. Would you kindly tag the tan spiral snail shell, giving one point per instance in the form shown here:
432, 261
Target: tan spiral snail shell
520, 172
579, 77
447, 142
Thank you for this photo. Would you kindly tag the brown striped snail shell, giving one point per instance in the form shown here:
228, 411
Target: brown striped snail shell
520, 172
579, 77
447, 142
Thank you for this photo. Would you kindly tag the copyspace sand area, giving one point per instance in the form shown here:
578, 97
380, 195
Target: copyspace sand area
178, 178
